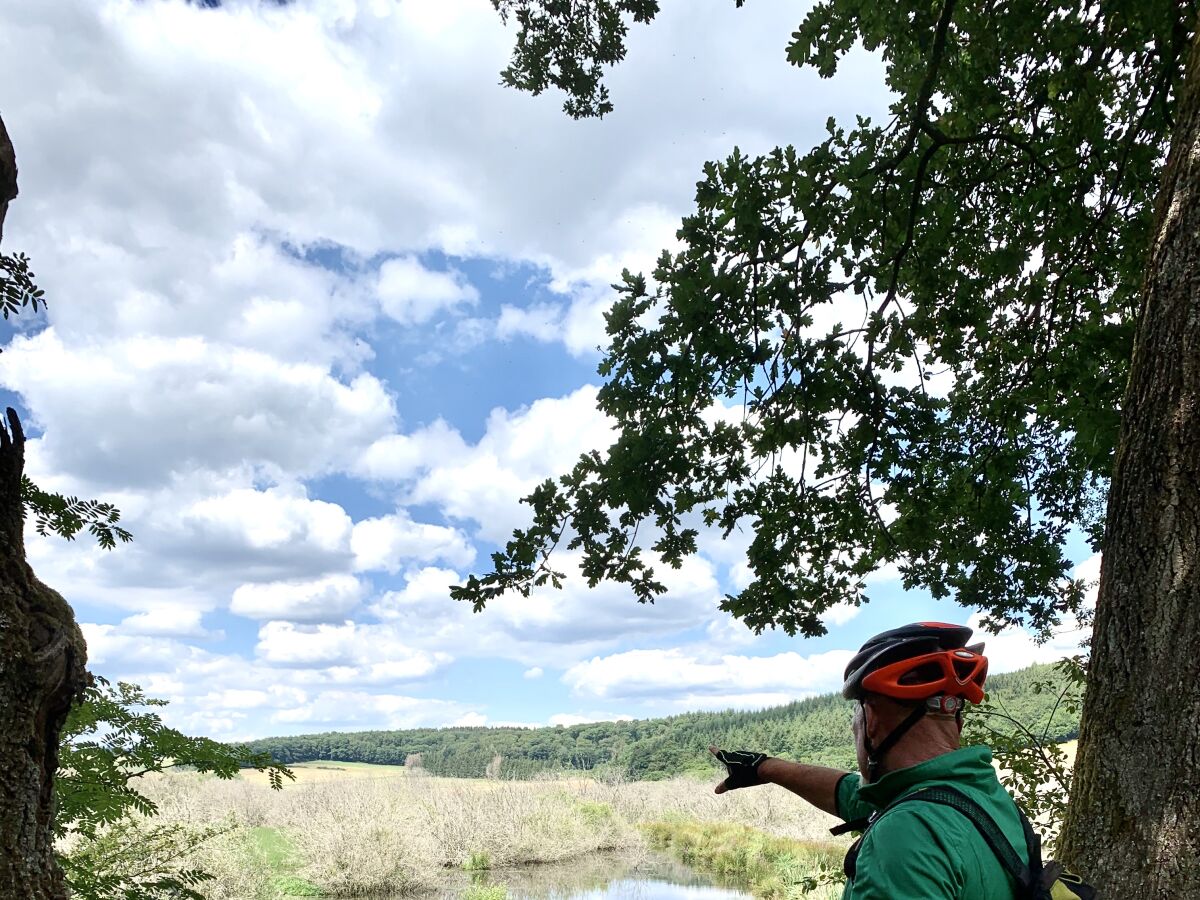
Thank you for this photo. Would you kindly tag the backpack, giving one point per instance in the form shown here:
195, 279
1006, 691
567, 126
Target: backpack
1035, 881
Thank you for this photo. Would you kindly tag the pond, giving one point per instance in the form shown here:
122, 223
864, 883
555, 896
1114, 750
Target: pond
601, 876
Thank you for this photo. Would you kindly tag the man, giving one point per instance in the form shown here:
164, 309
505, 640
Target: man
909, 685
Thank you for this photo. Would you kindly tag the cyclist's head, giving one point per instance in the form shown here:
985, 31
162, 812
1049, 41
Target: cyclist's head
922, 668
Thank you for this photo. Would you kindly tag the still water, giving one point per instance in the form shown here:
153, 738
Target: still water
603, 877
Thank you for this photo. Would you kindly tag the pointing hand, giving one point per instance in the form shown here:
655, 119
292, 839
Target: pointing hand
742, 766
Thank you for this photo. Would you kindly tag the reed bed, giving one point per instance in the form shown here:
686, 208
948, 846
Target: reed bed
772, 868
377, 836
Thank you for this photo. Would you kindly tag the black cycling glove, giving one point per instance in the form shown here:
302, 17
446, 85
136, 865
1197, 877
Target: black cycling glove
743, 767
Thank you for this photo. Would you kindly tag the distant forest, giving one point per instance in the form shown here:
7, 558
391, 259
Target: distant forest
815, 730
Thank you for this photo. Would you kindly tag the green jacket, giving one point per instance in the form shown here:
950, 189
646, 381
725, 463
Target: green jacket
926, 851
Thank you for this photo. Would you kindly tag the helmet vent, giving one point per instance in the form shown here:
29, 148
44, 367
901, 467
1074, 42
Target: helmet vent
926, 674
964, 670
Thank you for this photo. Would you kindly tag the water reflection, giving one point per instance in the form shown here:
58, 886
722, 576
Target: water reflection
602, 877
655, 889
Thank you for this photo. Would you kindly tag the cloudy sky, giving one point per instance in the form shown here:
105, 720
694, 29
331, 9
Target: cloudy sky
325, 301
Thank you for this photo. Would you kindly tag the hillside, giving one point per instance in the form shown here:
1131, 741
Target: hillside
816, 730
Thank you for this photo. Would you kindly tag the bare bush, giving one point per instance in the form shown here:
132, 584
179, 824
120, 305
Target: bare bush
358, 836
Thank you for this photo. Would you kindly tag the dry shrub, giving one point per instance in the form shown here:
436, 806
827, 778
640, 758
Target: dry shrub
769, 809
398, 835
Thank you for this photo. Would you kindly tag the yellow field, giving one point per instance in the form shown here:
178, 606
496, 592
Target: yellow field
1069, 748
328, 770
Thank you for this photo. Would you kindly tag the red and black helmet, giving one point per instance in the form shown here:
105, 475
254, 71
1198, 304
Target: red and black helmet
916, 662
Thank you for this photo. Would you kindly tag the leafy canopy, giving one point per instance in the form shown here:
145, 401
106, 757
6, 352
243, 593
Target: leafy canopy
113, 737
906, 345
67, 516
567, 43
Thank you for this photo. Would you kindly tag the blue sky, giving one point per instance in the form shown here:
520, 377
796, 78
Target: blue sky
325, 303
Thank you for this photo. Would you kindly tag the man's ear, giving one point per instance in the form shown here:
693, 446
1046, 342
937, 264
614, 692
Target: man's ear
870, 714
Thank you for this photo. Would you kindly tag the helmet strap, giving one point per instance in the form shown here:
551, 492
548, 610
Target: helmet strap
875, 754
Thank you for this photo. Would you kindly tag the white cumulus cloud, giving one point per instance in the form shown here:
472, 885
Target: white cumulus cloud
389, 543
484, 483
411, 293
166, 621
677, 671
132, 412
351, 646
328, 599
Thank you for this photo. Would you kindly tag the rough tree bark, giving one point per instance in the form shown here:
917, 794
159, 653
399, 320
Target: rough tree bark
8, 175
1133, 826
42, 658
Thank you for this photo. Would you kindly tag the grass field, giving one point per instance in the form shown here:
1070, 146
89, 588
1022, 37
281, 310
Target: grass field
328, 770
277, 856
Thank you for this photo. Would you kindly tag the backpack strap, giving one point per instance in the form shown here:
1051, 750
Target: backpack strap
1028, 877
854, 825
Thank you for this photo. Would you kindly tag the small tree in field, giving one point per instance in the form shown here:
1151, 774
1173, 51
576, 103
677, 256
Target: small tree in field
112, 738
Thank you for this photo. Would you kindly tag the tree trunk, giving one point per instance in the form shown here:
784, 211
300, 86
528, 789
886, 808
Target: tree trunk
1133, 826
8, 175
42, 658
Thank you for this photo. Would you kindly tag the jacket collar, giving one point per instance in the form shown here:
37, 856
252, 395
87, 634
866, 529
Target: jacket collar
963, 766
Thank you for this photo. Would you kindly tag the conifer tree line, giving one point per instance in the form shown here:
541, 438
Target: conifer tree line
815, 730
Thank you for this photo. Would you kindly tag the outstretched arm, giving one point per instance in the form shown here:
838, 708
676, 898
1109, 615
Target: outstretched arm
816, 784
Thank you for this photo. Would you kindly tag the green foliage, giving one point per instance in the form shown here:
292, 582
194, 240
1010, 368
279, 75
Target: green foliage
596, 814
67, 516
906, 345
567, 46
816, 730
274, 852
271, 847
130, 861
17, 287
111, 738
294, 886
477, 862
1035, 769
